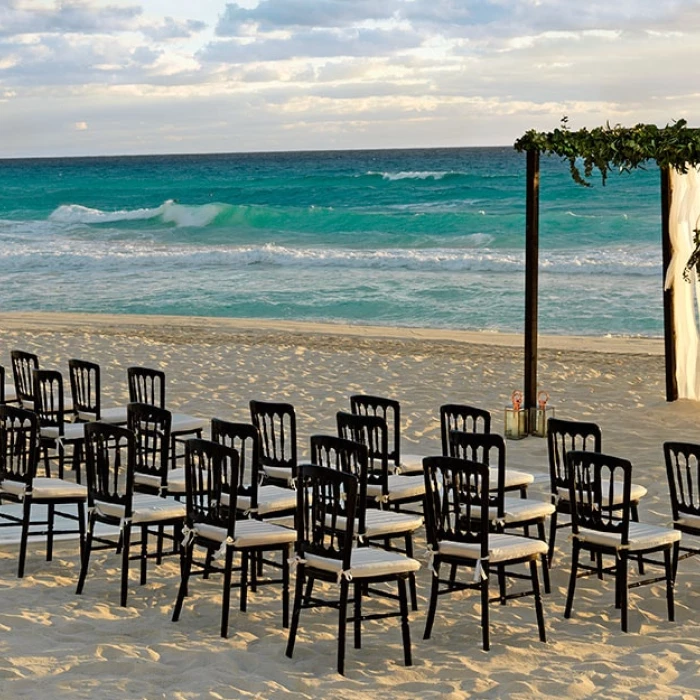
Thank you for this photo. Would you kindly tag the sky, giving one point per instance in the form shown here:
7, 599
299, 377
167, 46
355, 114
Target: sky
107, 77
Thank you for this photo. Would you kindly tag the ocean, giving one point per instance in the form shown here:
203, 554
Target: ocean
417, 238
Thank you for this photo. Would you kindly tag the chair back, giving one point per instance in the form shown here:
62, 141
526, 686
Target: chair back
23, 366
456, 502
48, 399
2, 385
326, 507
390, 411
468, 419
151, 427
211, 469
488, 449
110, 458
370, 431
146, 386
245, 439
565, 435
19, 444
277, 424
85, 389
346, 456
683, 472
595, 482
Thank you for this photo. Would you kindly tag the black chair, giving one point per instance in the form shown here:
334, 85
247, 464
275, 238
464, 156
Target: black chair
459, 534
504, 513
255, 500
23, 366
110, 452
390, 411
212, 471
55, 433
148, 386
383, 487
85, 387
277, 424
19, 484
563, 436
470, 419
326, 511
374, 526
683, 472
600, 497
7, 391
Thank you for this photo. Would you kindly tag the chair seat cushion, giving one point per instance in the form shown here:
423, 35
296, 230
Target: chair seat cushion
522, 509
71, 431
249, 533
366, 562
687, 520
502, 548
411, 464
145, 508
278, 473
637, 492
514, 478
641, 537
400, 487
175, 480
386, 522
271, 499
114, 415
44, 488
182, 423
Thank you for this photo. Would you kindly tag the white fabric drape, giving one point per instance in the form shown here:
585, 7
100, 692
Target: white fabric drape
684, 217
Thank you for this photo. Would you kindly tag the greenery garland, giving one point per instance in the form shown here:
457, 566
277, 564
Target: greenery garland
608, 148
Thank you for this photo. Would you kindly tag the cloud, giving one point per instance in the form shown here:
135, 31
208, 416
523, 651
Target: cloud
81, 126
171, 28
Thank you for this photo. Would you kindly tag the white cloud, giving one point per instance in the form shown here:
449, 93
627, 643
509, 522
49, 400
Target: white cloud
81, 126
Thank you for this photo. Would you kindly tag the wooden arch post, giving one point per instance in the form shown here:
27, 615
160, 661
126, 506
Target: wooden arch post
666, 254
532, 234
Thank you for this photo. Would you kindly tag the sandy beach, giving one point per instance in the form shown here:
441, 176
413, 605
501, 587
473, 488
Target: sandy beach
56, 644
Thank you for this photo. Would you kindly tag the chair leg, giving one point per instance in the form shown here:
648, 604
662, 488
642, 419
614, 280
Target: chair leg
185, 569
670, 583
430, 618
485, 634
412, 576
357, 622
226, 597
342, 623
405, 629
621, 569
245, 560
572, 579
538, 598
286, 553
676, 555
545, 563
296, 610
81, 528
126, 541
26, 519
85, 558
502, 584
552, 537
309, 590
49, 534
144, 554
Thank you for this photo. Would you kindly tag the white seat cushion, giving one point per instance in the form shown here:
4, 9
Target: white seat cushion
637, 492
278, 473
249, 533
145, 509
514, 478
386, 522
502, 548
641, 537
149, 480
689, 521
522, 509
71, 431
366, 562
271, 499
411, 464
400, 487
175, 480
182, 423
114, 415
45, 488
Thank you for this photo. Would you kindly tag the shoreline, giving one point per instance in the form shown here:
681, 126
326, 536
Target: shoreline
208, 327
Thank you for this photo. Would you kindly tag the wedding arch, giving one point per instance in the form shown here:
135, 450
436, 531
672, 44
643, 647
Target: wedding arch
676, 150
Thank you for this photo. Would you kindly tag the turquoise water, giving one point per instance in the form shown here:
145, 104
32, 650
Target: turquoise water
397, 237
